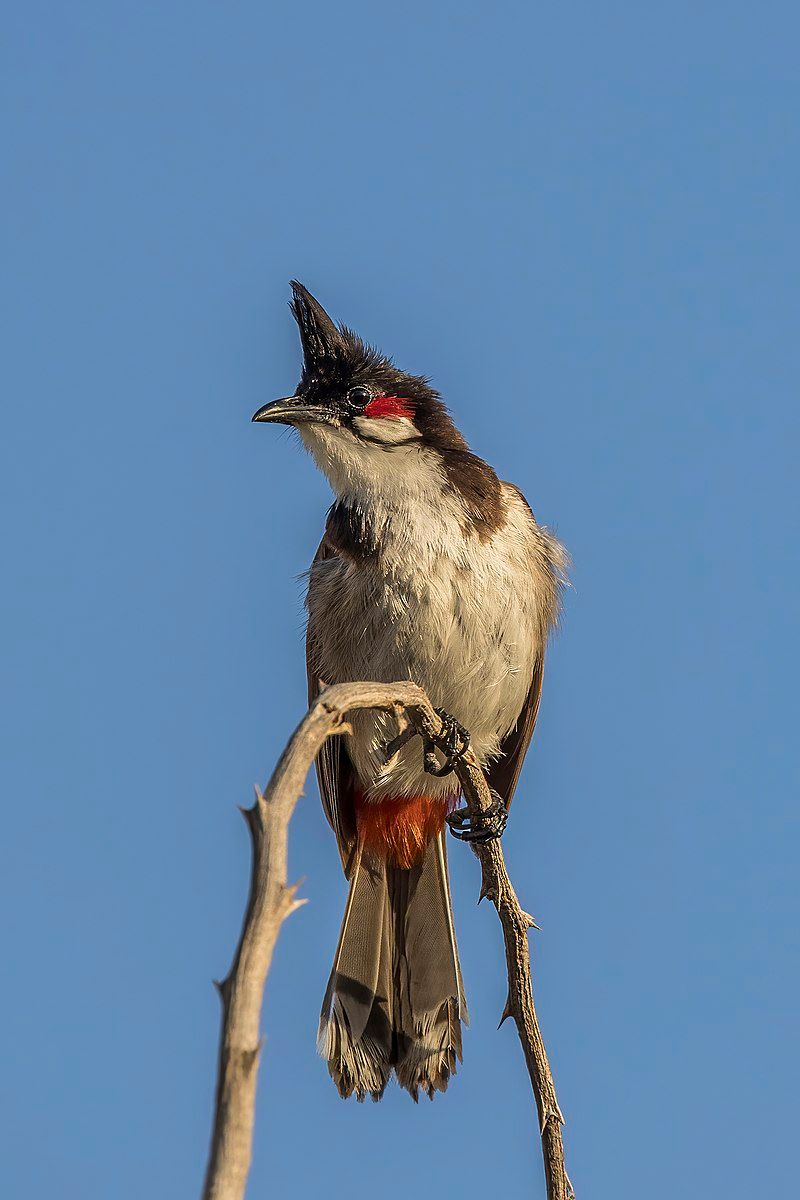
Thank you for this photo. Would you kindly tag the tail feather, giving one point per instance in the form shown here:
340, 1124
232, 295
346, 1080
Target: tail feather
355, 1023
395, 996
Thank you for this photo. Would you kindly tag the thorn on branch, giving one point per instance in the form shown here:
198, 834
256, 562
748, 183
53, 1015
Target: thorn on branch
253, 817
486, 892
551, 1114
223, 989
291, 901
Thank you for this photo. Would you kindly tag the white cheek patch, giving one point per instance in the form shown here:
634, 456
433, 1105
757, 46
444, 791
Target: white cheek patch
389, 430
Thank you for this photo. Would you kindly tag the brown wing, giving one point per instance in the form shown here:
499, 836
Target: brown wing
504, 773
334, 770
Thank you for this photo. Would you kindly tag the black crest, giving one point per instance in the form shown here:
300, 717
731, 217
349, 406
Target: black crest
335, 359
320, 339
333, 356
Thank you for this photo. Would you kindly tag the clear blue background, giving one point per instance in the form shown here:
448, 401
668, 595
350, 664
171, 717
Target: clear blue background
581, 221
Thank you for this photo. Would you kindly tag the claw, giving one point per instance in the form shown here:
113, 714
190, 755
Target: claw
466, 825
456, 745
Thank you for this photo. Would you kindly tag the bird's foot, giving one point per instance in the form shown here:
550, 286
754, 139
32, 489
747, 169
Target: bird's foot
478, 827
455, 744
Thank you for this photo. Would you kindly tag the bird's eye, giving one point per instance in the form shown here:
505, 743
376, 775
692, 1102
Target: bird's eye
358, 397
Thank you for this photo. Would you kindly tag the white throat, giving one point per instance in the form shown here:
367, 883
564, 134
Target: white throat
387, 476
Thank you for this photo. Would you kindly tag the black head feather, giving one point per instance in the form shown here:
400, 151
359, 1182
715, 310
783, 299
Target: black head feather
319, 336
336, 359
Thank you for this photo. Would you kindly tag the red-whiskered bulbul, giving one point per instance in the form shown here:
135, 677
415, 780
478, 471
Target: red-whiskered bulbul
430, 569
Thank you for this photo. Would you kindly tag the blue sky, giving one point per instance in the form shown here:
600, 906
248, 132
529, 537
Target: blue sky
581, 222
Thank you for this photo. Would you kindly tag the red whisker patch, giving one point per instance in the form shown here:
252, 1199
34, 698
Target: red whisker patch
389, 406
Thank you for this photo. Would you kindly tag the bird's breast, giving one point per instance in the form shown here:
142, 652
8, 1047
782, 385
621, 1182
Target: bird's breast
455, 615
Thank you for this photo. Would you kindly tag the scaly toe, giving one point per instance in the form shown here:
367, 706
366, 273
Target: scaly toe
456, 744
478, 828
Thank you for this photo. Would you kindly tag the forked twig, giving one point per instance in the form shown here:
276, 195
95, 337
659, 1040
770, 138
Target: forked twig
272, 899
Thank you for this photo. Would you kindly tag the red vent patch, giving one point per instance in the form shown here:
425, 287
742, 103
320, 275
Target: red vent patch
389, 406
397, 829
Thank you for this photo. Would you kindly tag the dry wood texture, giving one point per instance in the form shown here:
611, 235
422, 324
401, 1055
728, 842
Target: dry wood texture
272, 899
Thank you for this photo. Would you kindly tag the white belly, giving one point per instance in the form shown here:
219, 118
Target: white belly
461, 618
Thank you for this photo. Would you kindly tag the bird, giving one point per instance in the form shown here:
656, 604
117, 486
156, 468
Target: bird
430, 569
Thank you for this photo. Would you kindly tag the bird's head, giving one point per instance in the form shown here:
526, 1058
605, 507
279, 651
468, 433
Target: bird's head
353, 408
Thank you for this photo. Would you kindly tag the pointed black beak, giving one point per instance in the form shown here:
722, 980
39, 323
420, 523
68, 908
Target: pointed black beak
292, 410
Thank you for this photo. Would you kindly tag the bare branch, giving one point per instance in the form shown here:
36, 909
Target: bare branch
497, 887
272, 899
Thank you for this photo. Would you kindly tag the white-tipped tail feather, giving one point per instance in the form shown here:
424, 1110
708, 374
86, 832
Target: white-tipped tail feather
395, 996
